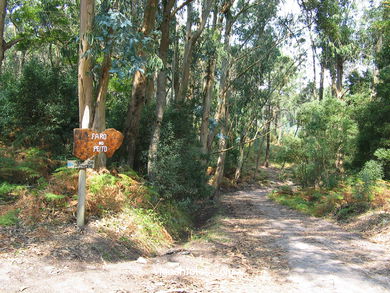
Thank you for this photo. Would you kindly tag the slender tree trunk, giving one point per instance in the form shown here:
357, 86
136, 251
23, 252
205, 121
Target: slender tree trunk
150, 89
176, 64
268, 137
186, 57
223, 111
99, 121
161, 87
207, 98
339, 76
258, 156
321, 88
378, 48
333, 78
3, 11
240, 163
85, 82
208, 95
138, 95
191, 40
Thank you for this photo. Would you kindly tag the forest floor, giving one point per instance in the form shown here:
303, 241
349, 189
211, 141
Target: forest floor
253, 245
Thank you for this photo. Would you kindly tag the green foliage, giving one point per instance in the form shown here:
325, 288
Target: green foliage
326, 139
374, 118
367, 179
34, 164
179, 170
98, 182
10, 218
383, 154
39, 108
53, 197
350, 210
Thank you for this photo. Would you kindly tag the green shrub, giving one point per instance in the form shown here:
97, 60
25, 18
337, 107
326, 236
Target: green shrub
179, 170
351, 210
326, 143
98, 182
10, 218
367, 179
39, 108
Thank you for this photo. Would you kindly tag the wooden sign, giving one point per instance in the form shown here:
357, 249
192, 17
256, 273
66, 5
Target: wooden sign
80, 165
89, 143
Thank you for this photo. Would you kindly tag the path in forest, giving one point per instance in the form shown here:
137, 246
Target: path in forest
255, 245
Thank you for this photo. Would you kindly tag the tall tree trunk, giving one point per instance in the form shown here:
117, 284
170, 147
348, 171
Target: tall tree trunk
378, 48
161, 87
176, 64
223, 110
186, 56
268, 136
3, 11
339, 76
333, 78
258, 156
208, 95
207, 98
138, 95
85, 82
99, 121
191, 40
240, 162
321, 89
314, 53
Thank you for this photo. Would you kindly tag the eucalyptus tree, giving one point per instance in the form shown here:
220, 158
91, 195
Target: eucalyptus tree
141, 80
248, 21
167, 15
335, 26
192, 37
113, 51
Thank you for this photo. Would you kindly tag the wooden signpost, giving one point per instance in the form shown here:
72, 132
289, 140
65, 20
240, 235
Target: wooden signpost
87, 144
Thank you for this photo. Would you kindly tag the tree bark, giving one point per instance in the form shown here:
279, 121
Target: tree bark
85, 82
207, 98
3, 11
138, 95
176, 64
268, 137
339, 76
223, 110
208, 95
161, 87
191, 40
258, 155
99, 121
240, 162
321, 88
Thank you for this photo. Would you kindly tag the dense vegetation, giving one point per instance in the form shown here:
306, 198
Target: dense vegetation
201, 90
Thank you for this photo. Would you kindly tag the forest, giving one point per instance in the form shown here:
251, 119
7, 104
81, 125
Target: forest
207, 93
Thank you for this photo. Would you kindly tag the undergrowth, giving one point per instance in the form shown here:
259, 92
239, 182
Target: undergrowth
342, 202
120, 204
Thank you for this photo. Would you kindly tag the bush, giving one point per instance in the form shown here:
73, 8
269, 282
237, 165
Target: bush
326, 143
179, 171
39, 108
367, 179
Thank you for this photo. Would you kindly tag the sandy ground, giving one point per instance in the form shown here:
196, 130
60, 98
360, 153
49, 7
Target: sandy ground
255, 245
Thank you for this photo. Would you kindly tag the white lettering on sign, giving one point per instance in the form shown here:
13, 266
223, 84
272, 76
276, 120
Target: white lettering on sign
99, 136
100, 149
101, 142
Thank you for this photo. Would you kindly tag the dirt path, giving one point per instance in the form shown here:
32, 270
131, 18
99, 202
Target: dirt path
255, 245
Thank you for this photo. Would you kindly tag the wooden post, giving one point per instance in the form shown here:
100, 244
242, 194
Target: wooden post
82, 191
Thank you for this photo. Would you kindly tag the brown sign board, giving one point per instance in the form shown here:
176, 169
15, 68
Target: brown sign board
89, 143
